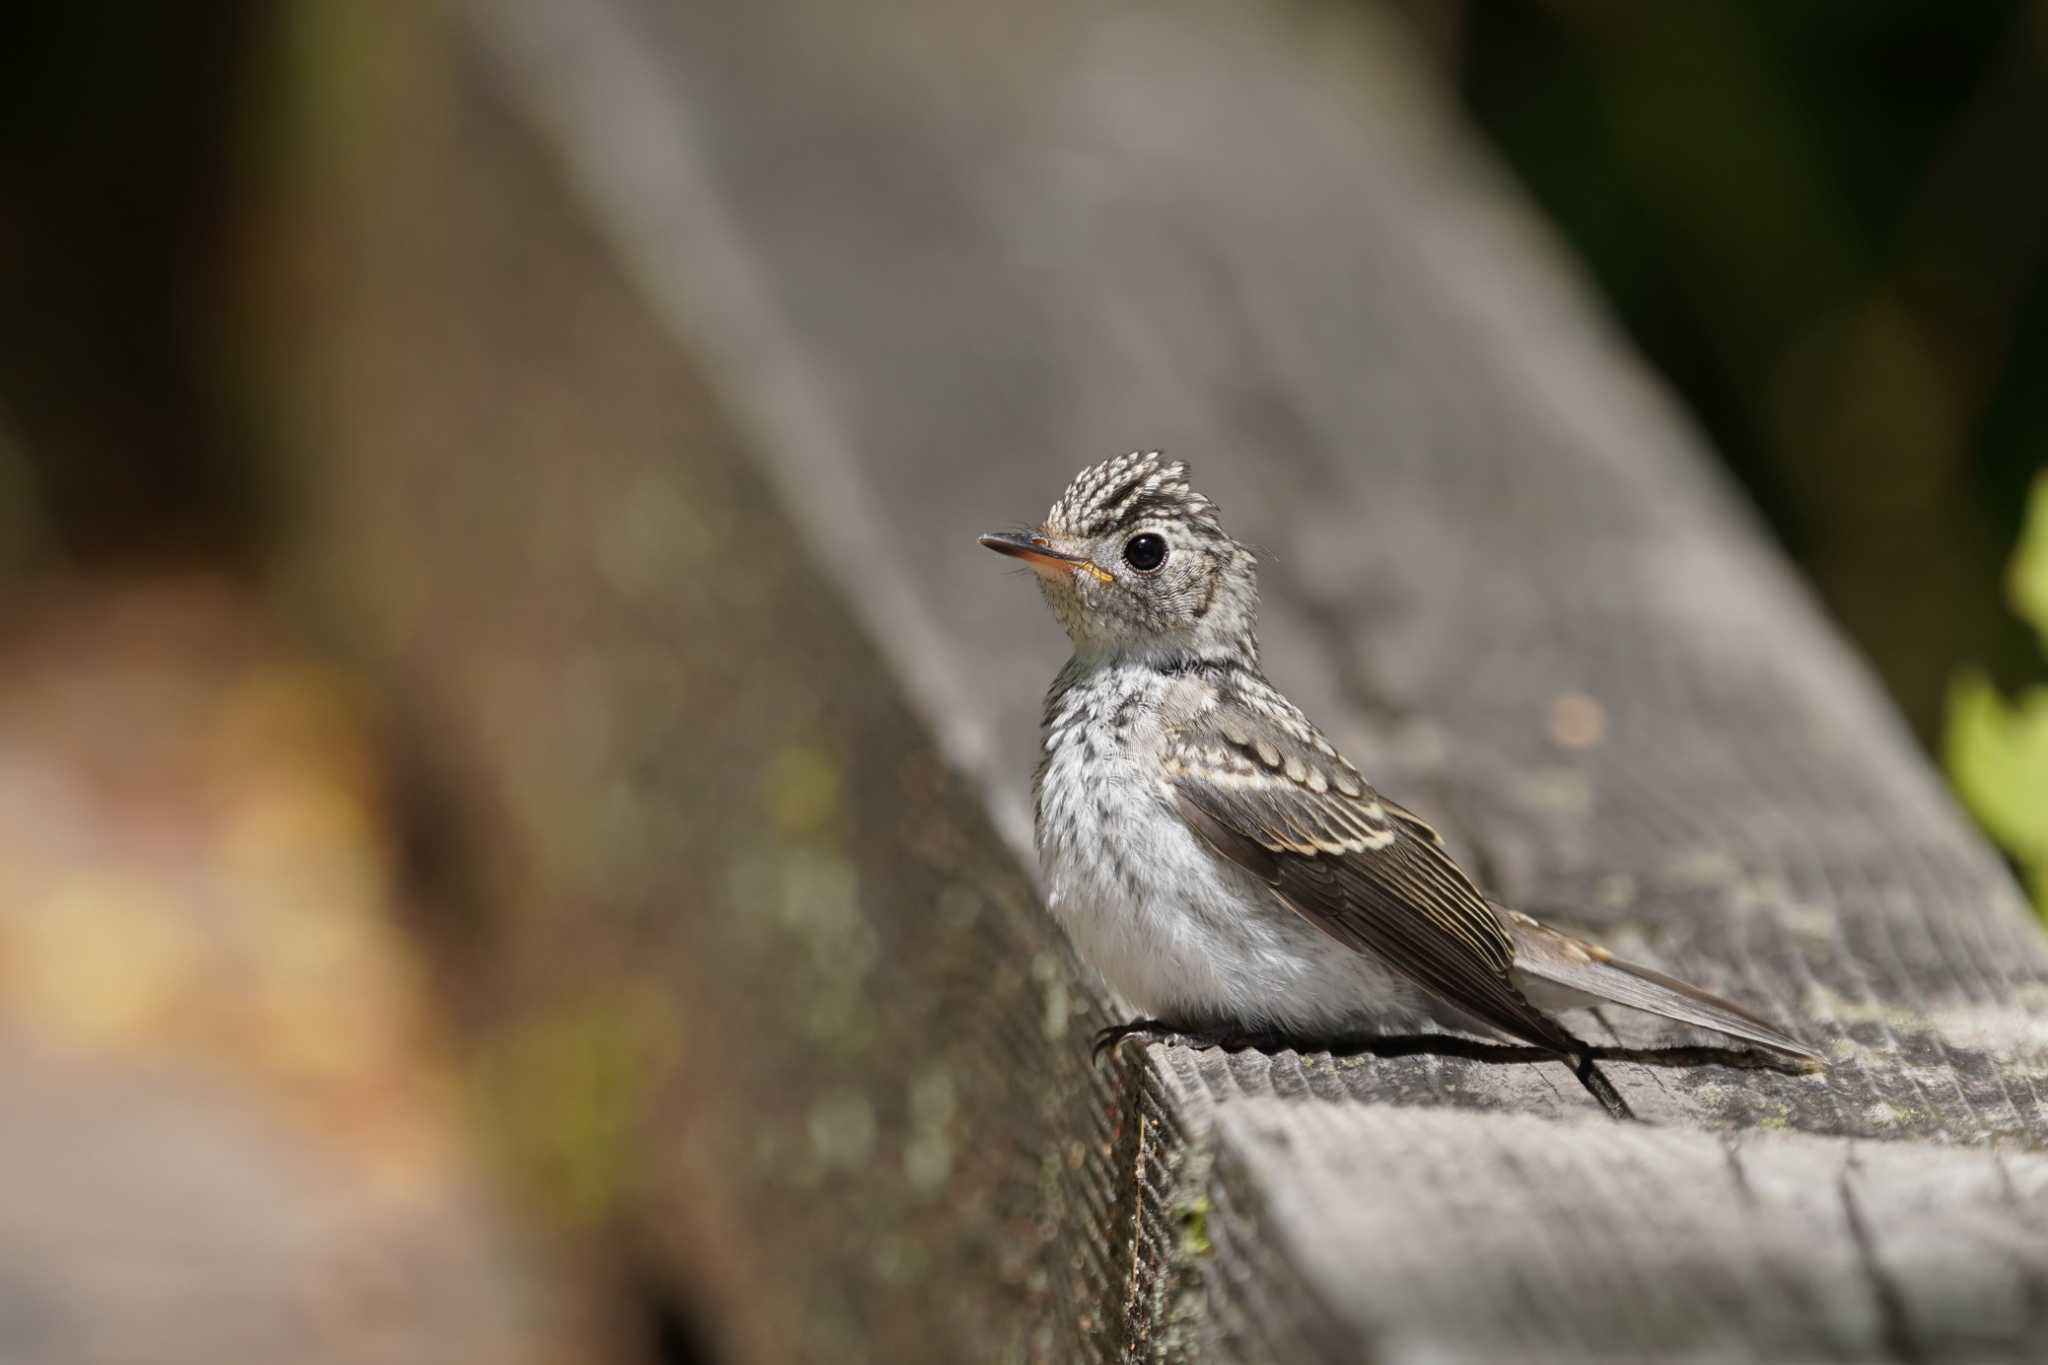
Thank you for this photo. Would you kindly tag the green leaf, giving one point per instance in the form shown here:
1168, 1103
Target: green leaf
1997, 755
2028, 583
1996, 751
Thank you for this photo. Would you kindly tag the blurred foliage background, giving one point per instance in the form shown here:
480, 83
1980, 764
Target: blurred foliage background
1825, 224
123, 134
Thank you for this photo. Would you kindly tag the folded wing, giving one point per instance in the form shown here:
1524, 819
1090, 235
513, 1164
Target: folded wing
1272, 796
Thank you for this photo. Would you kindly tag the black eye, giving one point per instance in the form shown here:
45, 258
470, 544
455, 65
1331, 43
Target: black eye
1145, 552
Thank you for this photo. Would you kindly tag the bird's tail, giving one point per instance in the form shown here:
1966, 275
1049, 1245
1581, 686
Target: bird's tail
1559, 971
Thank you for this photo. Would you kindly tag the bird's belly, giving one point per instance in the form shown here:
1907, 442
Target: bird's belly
1186, 937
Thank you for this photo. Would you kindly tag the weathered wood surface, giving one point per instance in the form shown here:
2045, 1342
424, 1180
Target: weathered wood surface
769, 1013
935, 256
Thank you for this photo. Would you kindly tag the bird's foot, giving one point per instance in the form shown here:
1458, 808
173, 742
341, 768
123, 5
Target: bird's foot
1146, 1031
1149, 1031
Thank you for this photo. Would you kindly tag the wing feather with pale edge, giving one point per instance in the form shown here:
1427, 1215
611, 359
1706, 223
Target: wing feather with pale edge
1279, 801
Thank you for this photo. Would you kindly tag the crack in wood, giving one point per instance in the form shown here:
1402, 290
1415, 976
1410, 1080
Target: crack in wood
1895, 1327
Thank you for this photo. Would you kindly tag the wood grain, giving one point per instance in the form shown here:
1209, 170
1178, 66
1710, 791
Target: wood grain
936, 256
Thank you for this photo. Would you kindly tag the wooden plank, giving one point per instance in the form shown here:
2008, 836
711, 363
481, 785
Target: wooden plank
935, 259
1474, 1242
767, 1014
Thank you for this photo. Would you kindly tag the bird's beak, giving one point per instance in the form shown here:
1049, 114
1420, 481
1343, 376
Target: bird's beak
1038, 553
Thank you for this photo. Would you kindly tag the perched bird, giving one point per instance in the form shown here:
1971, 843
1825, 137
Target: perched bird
1216, 859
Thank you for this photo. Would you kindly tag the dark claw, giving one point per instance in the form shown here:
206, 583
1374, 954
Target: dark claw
1152, 1030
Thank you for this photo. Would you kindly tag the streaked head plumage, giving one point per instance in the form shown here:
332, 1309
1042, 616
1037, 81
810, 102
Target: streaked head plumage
1133, 559
1122, 492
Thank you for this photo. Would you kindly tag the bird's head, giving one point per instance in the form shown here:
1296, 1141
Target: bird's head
1133, 560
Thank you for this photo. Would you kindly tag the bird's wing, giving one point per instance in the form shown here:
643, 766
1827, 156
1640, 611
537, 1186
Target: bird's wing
1271, 795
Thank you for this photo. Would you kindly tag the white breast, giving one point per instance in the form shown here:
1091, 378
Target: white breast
1178, 932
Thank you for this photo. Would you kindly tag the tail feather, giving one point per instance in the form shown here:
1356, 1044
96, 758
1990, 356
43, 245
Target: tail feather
1573, 968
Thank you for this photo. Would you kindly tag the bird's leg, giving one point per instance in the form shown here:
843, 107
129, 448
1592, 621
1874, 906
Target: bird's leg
1600, 1088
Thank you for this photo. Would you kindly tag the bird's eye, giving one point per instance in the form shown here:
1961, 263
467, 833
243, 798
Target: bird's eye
1145, 552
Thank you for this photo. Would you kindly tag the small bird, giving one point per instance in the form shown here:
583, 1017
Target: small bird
1216, 859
